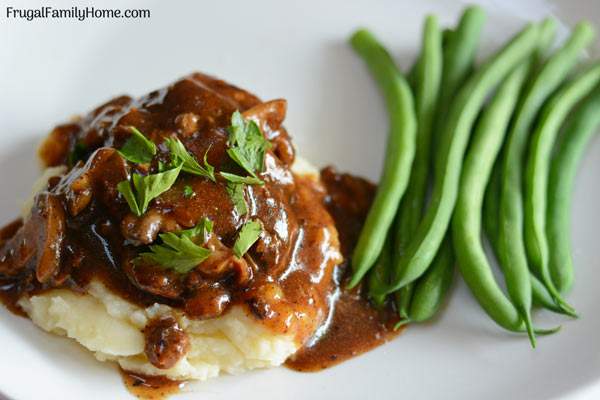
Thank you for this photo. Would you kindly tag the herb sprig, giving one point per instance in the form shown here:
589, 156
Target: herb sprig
77, 154
236, 194
180, 155
188, 192
146, 188
247, 145
178, 250
246, 180
248, 235
138, 149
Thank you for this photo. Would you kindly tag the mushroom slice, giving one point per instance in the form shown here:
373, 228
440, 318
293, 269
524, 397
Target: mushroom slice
48, 221
272, 113
153, 279
40, 238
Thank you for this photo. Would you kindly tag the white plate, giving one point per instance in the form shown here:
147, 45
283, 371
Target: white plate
52, 69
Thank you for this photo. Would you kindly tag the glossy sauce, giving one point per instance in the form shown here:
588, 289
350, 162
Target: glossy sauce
283, 281
146, 387
291, 280
354, 326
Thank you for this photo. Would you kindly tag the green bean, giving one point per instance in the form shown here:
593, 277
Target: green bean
466, 221
427, 86
581, 127
446, 36
547, 34
403, 299
539, 294
459, 49
463, 112
510, 236
460, 53
400, 150
537, 172
412, 75
491, 205
430, 290
426, 95
378, 276
491, 202
541, 297
460, 46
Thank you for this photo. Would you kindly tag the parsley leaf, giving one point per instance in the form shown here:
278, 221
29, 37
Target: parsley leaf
178, 250
247, 145
138, 149
248, 235
188, 192
204, 228
180, 155
125, 189
248, 180
177, 253
147, 187
78, 153
151, 186
236, 193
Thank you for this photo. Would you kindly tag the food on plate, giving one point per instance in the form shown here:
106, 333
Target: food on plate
474, 266
550, 75
494, 133
543, 137
580, 129
180, 236
400, 151
427, 85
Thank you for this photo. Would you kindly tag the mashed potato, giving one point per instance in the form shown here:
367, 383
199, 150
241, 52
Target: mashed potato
112, 328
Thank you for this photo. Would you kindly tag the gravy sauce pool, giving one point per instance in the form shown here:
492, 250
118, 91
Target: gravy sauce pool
354, 327
146, 387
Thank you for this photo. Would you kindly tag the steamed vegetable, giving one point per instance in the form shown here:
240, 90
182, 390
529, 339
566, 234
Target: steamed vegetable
507, 175
461, 117
581, 128
400, 151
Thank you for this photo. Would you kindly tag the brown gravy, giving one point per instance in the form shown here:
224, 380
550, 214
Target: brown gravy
82, 229
355, 327
146, 387
94, 244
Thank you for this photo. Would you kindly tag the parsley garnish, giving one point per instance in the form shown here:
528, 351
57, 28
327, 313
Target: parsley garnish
236, 193
248, 180
180, 155
147, 188
178, 250
125, 189
138, 149
77, 154
249, 234
247, 145
204, 228
188, 192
